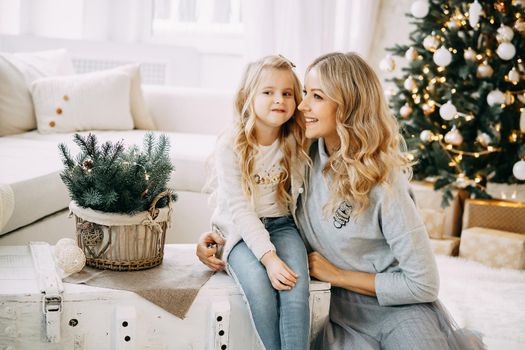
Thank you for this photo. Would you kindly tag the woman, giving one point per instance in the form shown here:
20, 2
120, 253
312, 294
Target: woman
359, 221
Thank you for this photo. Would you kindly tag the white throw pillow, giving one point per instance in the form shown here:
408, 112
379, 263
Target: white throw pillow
93, 101
141, 115
17, 71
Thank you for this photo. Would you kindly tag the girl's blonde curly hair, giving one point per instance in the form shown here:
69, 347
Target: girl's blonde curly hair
371, 146
293, 142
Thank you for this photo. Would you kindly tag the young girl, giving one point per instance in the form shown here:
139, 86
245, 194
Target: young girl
258, 167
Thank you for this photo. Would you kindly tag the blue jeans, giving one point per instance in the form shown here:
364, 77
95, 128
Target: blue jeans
281, 318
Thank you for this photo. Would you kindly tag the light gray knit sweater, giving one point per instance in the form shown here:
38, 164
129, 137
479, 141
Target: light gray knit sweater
389, 239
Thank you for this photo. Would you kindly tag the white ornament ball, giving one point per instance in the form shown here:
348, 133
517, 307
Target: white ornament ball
405, 111
419, 8
505, 33
514, 76
522, 120
484, 70
431, 43
71, 259
519, 170
442, 57
426, 135
410, 84
474, 12
63, 242
454, 137
448, 111
411, 54
506, 51
387, 64
495, 97
469, 54
484, 139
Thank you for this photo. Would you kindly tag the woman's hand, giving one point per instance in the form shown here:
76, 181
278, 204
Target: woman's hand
281, 276
323, 269
207, 248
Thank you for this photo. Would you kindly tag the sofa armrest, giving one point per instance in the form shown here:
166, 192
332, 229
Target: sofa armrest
189, 110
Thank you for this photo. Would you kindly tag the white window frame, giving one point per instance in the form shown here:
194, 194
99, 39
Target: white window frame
205, 37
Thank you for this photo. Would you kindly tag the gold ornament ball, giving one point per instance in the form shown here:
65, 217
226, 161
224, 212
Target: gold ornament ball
411, 54
519, 26
484, 70
428, 108
431, 43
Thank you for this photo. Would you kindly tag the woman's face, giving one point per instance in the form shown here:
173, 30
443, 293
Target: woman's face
319, 111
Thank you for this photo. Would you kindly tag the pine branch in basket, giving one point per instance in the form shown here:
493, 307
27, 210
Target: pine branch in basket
111, 178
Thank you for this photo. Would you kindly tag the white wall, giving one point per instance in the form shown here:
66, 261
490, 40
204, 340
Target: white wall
108, 33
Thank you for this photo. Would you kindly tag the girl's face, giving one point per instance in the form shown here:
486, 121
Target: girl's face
274, 103
319, 111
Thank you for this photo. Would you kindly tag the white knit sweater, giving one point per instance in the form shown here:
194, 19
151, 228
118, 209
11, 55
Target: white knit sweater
234, 215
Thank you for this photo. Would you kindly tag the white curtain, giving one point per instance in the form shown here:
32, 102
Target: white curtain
302, 30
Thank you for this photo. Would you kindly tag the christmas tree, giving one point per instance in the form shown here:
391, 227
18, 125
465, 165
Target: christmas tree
460, 97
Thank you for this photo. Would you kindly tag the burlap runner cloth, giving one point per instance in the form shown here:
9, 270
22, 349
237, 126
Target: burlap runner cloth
173, 285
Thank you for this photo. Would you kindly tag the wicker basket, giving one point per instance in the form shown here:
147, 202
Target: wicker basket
123, 242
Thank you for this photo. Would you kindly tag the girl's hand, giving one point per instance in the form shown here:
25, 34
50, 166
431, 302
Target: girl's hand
323, 269
280, 275
207, 248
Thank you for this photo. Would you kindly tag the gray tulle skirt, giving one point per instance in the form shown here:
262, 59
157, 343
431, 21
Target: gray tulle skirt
359, 322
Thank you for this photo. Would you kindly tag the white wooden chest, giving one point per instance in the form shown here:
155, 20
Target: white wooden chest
97, 318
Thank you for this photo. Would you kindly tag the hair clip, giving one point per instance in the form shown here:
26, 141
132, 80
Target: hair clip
287, 60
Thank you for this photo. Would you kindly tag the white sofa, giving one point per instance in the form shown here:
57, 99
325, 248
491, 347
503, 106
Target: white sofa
30, 165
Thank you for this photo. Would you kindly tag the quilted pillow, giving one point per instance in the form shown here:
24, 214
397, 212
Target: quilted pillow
93, 101
17, 71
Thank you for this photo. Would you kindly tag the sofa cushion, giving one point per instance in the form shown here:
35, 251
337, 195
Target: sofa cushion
142, 117
93, 101
17, 71
33, 165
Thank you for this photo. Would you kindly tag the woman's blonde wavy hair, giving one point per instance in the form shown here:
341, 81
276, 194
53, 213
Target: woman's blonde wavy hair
293, 142
371, 146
